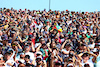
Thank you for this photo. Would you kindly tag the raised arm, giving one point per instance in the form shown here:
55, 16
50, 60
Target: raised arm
38, 48
15, 36
32, 46
63, 44
52, 60
48, 45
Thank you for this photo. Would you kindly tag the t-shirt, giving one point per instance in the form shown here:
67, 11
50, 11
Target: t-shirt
9, 61
92, 45
88, 62
65, 50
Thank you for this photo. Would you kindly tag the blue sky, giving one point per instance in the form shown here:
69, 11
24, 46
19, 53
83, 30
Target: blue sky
72, 5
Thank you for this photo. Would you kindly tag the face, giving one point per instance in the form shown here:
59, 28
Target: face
42, 41
86, 58
26, 59
22, 56
38, 61
53, 43
68, 47
27, 49
8, 57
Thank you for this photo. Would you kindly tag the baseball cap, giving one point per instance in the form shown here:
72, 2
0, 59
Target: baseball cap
39, 57
1, 55
40, 53
70, 65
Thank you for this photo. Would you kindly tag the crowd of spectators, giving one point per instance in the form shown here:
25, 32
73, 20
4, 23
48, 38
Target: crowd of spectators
49, 38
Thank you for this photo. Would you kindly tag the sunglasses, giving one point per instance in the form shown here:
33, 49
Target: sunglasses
38, 59
21, 57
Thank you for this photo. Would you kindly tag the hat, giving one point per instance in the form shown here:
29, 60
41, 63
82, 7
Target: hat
40, 53
90, 22
39, 57
1, 55
94, 34
70, 65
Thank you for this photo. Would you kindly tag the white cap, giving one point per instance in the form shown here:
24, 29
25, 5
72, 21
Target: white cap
70, 65
1, 55
94, 34
90, 22
39, 57
39, 52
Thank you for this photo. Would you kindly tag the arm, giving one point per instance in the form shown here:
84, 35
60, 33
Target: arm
10, 64
33, 49
52, 59
33, 62
18, 45
25, 39
20, 39
38, 48
94, 56
8, 30
80, 56
63, 44
48, 45
59, 58
15, 36
44, 64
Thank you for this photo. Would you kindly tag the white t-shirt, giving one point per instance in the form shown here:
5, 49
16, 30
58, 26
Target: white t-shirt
65, 50
9, 61
92, 45
88, 62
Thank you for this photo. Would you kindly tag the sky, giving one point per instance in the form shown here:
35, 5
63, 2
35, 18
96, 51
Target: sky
71, 5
